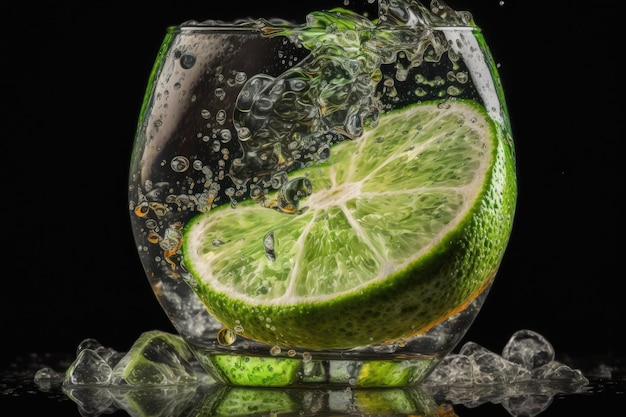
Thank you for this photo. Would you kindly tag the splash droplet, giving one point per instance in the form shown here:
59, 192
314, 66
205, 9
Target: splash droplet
226, 337
268, 245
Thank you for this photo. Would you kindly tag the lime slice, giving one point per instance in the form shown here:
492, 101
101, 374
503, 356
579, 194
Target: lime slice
252, 370
404, 226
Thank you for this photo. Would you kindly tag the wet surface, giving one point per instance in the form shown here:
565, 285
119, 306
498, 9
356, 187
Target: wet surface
605, 393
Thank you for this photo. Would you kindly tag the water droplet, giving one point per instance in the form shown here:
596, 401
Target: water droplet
226, 337
244, 134
454, 91
179, 164
240, 77
187, 61
220, 117
420, 92
225, 135
293, 191
220, 93
197, 165
268, 245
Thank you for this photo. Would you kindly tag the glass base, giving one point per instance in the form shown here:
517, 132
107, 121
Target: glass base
243, 362
245, 370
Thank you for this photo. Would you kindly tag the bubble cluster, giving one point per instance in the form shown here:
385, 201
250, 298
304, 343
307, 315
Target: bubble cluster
292, 120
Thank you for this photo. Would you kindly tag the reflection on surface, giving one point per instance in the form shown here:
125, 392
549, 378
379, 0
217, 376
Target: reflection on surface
201, 400
159, 376
530, 398
220, 400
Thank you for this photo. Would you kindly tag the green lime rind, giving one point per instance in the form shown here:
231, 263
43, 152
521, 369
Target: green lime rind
405, 225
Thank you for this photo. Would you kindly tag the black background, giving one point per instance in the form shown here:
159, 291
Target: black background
73, 79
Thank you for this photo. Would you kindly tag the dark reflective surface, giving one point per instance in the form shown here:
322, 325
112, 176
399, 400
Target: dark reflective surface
604, 393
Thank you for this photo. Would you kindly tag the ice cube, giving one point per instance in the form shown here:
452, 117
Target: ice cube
556, 371
156, 358
529, 349
88, 369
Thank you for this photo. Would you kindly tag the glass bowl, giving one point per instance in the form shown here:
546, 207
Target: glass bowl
192, 155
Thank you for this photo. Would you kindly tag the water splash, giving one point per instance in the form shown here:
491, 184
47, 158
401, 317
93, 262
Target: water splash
292, 120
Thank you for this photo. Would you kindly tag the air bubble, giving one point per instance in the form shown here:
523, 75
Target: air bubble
187, 61
220, 117
226, 337
454, 91
420, 92
225, 135
220, 93
244, 134
240, 77
268, 246
462, 77
179, 164
278, 179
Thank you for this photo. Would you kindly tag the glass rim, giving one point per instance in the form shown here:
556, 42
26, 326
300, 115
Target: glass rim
239, 27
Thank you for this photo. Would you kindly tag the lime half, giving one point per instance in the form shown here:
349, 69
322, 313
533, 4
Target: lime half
403, 227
